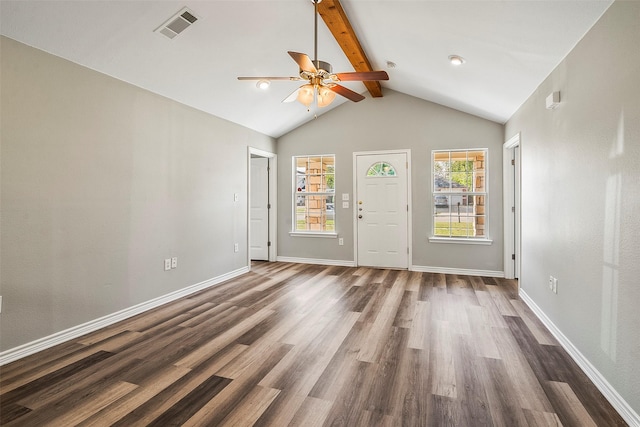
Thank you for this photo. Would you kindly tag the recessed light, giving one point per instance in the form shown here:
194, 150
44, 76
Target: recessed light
456, 60
263, 84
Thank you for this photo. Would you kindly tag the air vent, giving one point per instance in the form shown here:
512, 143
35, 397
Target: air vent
177, 23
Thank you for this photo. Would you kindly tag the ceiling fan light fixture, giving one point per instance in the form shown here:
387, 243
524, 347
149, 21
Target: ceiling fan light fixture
325, 96
306, 94
322, 86
456, 60
263, 84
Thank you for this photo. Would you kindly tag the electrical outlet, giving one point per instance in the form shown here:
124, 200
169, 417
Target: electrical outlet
340, 241
167, 264
236, 247
174, 262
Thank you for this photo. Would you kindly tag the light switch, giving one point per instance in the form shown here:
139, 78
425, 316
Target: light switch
345, 205
345, 196
236, 197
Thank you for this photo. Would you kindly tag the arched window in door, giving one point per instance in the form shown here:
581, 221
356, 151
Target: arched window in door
381, 169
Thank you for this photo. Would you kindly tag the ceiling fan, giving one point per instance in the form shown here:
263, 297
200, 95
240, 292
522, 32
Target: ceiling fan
321, 83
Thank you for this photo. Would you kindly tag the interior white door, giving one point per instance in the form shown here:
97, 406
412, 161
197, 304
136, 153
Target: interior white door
258, 208
382, 210
512, 207
517, 213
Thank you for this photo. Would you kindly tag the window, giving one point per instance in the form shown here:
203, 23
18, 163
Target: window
460, 194
314, 190
381, 169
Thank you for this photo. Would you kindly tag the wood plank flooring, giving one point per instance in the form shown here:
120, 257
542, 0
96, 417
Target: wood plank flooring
304, 345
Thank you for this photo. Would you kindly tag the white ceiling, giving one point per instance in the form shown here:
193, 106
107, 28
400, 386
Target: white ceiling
509, 47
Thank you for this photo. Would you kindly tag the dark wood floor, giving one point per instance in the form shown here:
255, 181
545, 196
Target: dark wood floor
301, 345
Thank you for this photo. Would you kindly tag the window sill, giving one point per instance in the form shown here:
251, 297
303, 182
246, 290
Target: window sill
460, 241
329, 235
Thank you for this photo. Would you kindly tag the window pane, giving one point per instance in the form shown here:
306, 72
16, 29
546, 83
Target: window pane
441, 177
478, 203
301, 171
463, 228
461, 181
479, 181
381, 169
315, 213
461, 165
314, 183
329, 183
315, 164
476, 158
301, 183
330, 215
328, 171
301, 214
301, 165
441, 227
441, 203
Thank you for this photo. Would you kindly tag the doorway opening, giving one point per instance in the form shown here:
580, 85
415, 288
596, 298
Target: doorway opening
261, 206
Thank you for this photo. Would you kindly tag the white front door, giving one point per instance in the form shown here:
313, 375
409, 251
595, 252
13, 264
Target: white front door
258, 208
382, 210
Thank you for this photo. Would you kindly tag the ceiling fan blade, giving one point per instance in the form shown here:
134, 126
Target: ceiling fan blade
303, 61
363, 76
347, 93
269, 78
292, 97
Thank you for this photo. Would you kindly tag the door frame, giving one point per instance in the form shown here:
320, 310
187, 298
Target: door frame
273, 201
511, 198
354, 203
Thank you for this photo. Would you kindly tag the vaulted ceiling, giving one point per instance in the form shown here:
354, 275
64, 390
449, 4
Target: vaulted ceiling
509, 47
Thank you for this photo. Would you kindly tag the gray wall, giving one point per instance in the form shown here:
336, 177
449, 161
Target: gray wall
100, 182
395, 121
581, 197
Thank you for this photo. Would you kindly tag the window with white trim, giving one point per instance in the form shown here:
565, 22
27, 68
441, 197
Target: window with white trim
460, 194
314, 180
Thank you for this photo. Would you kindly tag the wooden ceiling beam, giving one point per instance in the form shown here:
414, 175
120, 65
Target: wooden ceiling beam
336, 20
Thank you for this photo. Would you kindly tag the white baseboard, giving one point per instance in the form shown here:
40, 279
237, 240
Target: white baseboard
27, 349
460, 271
337, 262
626, 412
419, 268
